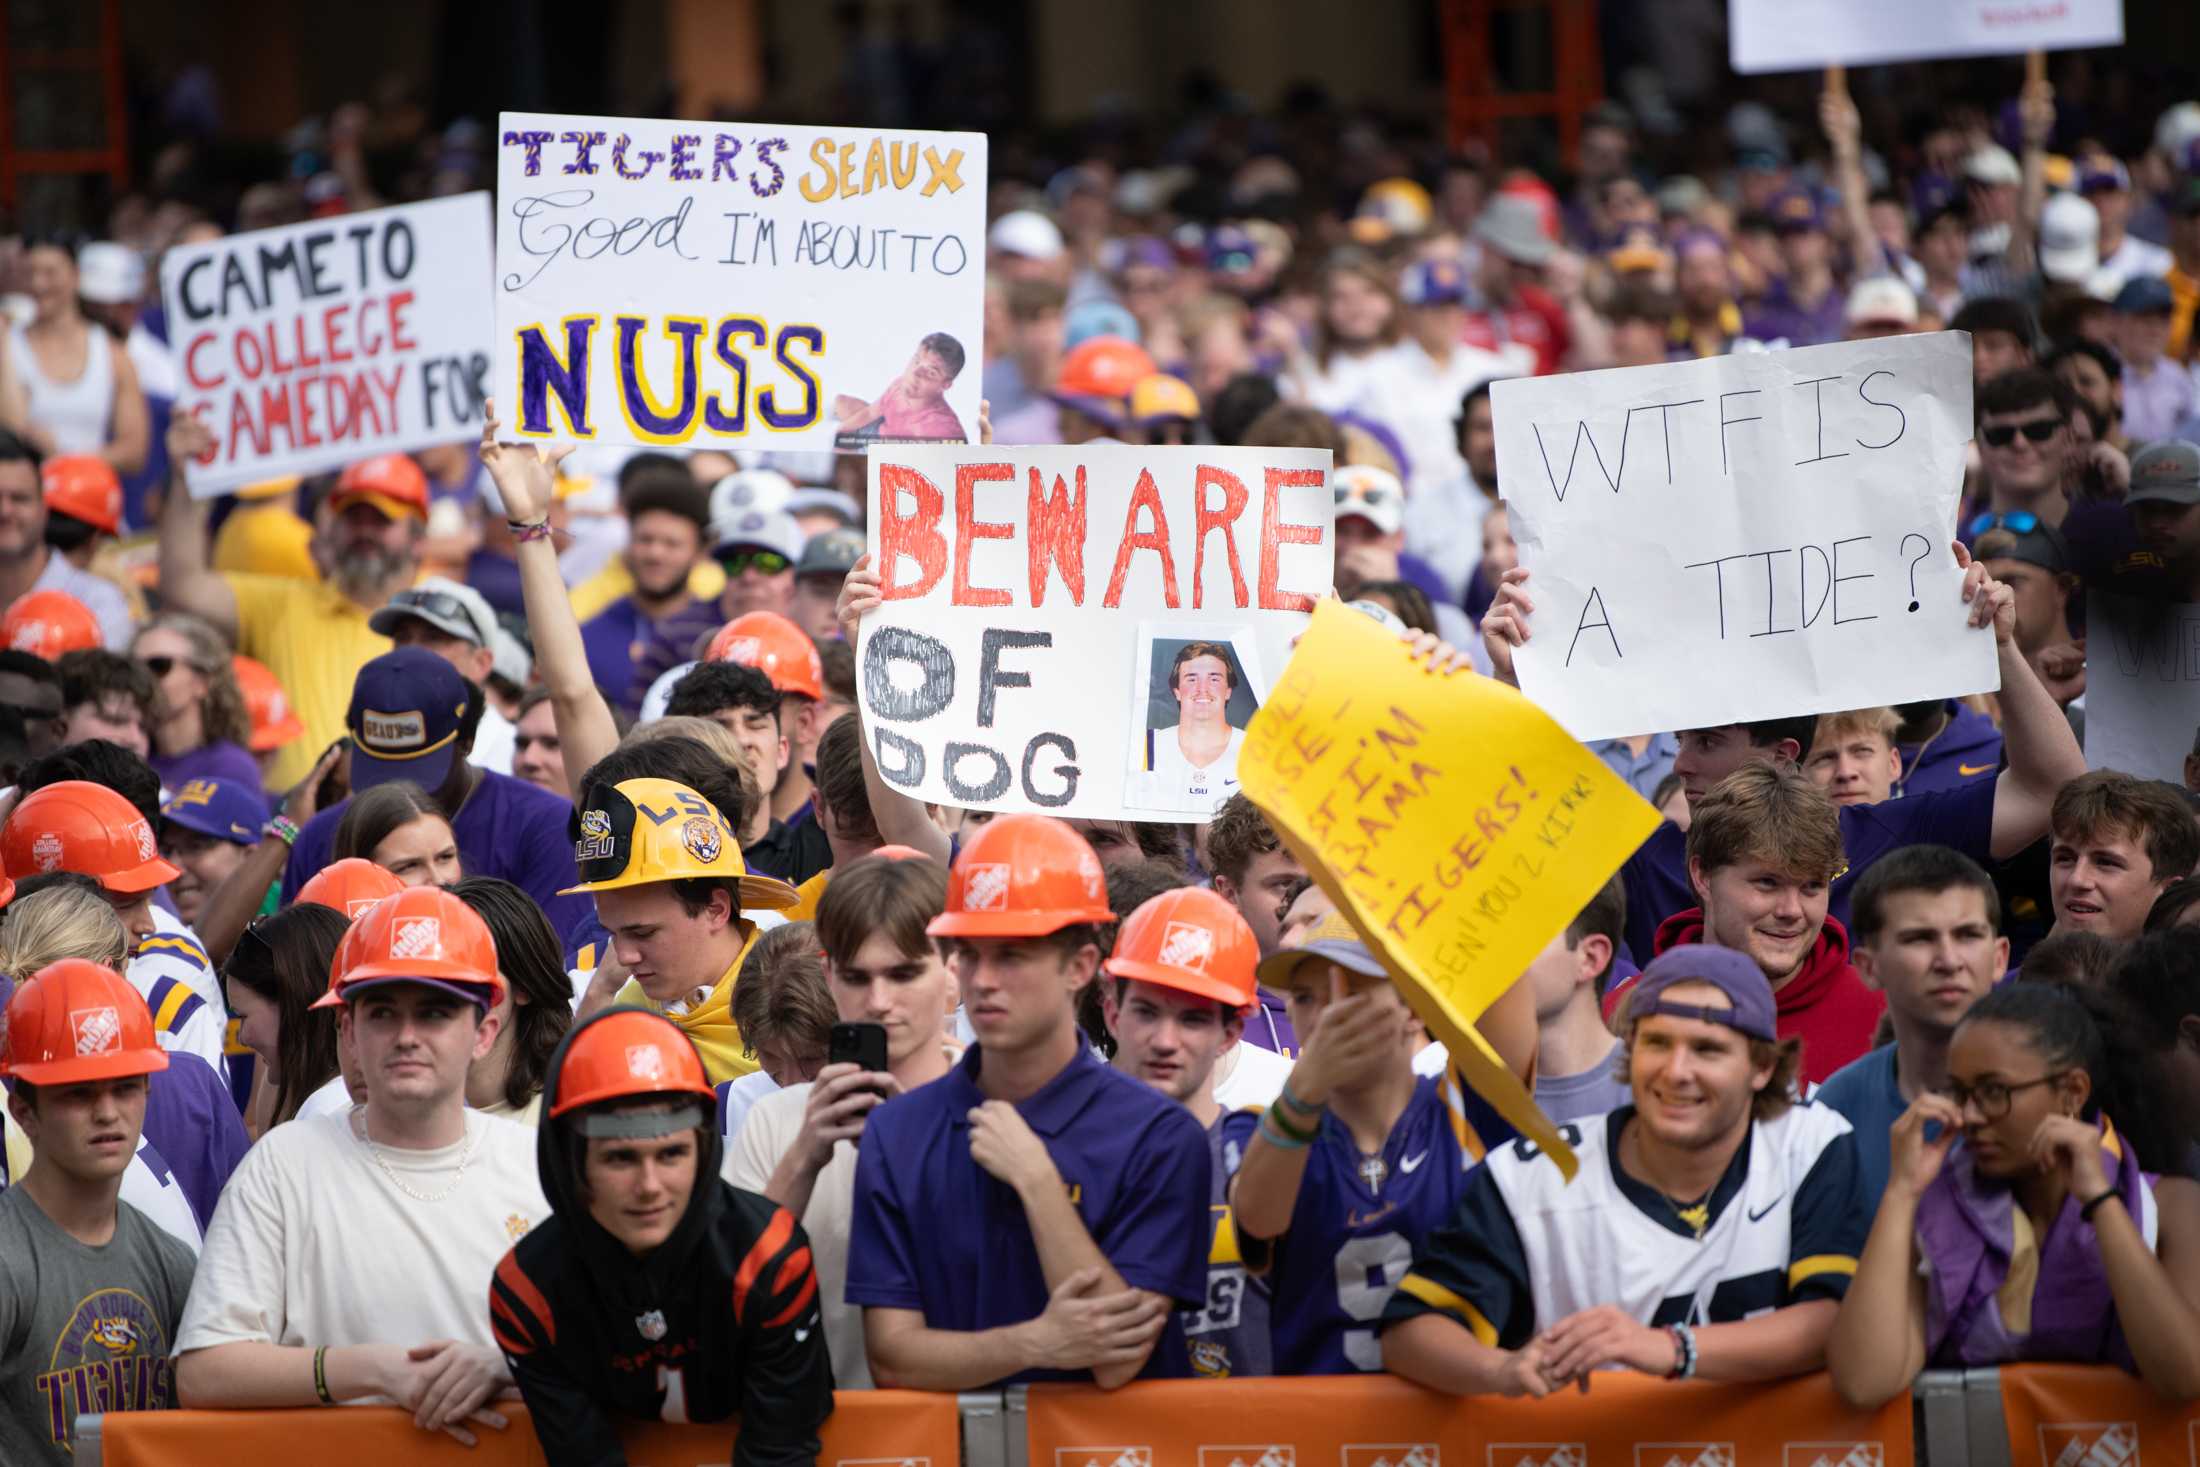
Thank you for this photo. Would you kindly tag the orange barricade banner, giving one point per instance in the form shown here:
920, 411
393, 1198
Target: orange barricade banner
2095, 1415
1625, 1420
867, 1429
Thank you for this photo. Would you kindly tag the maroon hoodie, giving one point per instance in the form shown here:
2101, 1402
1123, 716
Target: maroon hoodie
1826, 1003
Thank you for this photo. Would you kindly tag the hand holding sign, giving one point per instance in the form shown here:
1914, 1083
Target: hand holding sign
525, 474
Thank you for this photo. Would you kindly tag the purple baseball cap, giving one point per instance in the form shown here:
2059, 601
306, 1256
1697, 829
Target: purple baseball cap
1734, 974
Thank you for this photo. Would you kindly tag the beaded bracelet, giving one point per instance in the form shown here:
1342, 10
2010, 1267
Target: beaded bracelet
531, 530
282, 829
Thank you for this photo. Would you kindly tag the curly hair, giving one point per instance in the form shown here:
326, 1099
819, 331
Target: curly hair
222, 712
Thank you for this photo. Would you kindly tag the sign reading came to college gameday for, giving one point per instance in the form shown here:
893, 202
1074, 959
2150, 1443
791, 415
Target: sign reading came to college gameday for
1803, 35
314, 345
1449, 818
1762, 535
715, 285
1084, 631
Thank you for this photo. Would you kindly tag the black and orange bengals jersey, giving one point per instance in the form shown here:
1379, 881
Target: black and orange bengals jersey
738, 1332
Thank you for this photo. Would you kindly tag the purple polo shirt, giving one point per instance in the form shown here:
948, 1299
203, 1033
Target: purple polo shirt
933, 1231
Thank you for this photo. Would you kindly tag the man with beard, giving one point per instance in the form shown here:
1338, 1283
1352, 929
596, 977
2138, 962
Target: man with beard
313, 635
28, 563
667, 514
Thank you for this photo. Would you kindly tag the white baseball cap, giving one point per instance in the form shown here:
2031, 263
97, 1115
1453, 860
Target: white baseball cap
2070, 239
1993, 164
1026, 232
109, 274
1881, 298
1372, 493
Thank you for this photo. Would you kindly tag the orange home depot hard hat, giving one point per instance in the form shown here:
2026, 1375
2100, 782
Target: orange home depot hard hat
1023, 876
1192, 940
1103, 366
49, 623
83, 487
86, 828
73, 1022
350, 886
775, 647
391, 482
627, 1054
421, 935
274, 722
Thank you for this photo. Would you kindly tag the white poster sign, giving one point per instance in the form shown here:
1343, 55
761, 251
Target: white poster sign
314, 345
1804, 35
1745, 537
1084, 631
715, 285
2142, 685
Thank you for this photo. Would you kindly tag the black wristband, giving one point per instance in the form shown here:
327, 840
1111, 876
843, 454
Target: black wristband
2085, 1211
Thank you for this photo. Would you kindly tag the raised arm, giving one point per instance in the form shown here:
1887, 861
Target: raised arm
1347, 1036
524, 476
1844, 130
188, 580
901, 821
2043, 754
232, 905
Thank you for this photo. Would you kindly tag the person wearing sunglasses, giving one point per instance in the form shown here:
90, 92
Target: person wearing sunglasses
758, 549
2019, 1222
200, 727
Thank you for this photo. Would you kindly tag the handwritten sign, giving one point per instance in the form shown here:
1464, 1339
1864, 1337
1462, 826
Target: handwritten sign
1746, 537
1449, 817
317, 344
717, 284
1084, 631
2142, 685
1803, 35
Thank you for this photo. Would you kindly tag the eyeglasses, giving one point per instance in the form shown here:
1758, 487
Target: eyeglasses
2015, 521
764, 562
2039, 430
1992, 1097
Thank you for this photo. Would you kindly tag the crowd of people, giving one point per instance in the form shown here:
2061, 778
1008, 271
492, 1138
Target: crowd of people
458, 945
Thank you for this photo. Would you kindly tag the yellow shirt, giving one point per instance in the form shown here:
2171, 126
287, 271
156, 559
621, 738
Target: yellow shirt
808, 894
266, 540
2184, 298
314, 639
709, 1024
591, 596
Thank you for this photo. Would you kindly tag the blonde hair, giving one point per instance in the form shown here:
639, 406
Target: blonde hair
712, 735
60, 922
1884, 722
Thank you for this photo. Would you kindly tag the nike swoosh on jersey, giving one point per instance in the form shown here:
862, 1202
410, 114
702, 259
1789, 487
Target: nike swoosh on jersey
1967, 770
1411, 1163
1758, 1216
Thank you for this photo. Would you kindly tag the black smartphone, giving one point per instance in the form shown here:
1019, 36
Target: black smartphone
857, 1044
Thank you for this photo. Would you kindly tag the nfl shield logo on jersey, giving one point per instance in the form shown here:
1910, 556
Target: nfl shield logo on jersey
651, 1325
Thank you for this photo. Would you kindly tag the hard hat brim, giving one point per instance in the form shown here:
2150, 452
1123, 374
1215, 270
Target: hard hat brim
1183, 980
140, 878
758, 893
1014, 924
379, 975
78, 1070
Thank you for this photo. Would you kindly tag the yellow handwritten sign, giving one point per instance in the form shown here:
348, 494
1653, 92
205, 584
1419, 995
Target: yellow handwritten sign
1454, 823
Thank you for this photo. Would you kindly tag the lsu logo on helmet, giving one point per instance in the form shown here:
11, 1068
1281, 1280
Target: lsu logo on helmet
700, 835
596, 842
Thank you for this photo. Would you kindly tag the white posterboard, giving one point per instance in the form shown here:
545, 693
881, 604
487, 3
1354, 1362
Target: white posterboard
716, 285
1765, 535
1084, 631
315, 345
1804, 35
2142, 685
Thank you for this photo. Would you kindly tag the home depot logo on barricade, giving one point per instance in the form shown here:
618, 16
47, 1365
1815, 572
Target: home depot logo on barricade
1249, 1456
1538, 1454
2089, 1443
1834, 1454
1684, 1454
1392, 1454
1101, 1456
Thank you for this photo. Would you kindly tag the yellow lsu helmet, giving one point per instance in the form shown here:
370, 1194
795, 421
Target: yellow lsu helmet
648, 830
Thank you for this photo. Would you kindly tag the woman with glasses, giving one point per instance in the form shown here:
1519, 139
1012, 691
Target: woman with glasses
200, 726
401, 828
536, 1010
279, 966
2019, 1223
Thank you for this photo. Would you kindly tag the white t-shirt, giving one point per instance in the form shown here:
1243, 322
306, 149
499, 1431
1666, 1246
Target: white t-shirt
494, 742
332, 1099
741, 1098
773, 1123
1249, 1076
1173, 782
315, 1244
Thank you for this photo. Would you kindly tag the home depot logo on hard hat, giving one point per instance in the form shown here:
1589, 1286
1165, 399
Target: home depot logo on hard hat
147, 847
46, 851
986, 888
97, 1030
29, 637
745, 650
1187, 945
417, 937
645, 1062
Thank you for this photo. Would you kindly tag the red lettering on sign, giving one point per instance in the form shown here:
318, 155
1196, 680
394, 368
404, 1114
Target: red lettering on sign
915, 534
1277, 532
1147, 497
191, 362
1234, 499
1056, 531
969, 528
399, 340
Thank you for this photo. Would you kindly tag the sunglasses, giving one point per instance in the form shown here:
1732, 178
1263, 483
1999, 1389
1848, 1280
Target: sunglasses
764, 562
2039, 430
2016, 522
162, 666
437, 603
